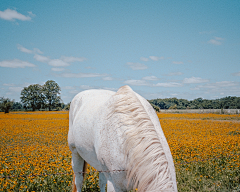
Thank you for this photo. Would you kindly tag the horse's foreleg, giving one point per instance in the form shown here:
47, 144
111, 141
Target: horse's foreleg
102, 182
78, 164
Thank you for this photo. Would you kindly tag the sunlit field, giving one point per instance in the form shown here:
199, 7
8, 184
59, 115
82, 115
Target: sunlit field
34, 154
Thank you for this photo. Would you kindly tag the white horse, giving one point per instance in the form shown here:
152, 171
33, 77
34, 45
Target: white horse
119, 131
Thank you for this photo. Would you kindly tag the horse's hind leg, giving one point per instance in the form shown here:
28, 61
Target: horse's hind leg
78, 166
102, 182
110, 187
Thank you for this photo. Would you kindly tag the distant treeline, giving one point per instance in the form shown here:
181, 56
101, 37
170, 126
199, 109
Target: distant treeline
47, 97
36, 97
199, 103
18, 106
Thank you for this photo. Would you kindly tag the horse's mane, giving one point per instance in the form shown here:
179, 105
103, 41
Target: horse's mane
147, 165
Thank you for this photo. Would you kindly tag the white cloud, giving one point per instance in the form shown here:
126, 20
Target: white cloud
15, 89
16, 63
174, 74
216, 41
109, 88
41, 58
170, 84
236, 74
228, 87
81, 75
9, 85
226, 84
136, 82
57, 69
155, 58
107, 78
72, 59
177, 62
25, 50
144, 59
58, 63
218, 85
36, 50
11, 15
194, 80
85, 87
68, 87
150, 78
31, 14
137, 66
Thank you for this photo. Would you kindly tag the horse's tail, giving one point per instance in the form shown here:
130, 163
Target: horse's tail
74, 188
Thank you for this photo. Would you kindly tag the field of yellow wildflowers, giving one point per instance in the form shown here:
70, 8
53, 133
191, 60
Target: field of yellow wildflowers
34, 154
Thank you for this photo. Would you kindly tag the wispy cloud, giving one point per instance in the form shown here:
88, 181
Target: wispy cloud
9, 84
194, 80
145, 83
85, 87
57, 69
144, 59
12, 15
236, 74
107, 78
58, 63
169, 84
72, 59
220, 84
174, 74
62, 62
137, 66
136, 82
150, 78
177, 62
16, 63
81, 75
15, 89
216, 41
25, 50
155, 58
41, 58
68, 87
221, 88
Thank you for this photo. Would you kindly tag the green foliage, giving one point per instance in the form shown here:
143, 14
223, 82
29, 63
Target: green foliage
51, 92
32, 97
17, 106
67, 106
36, 97
199, 103
156, 108
5, 104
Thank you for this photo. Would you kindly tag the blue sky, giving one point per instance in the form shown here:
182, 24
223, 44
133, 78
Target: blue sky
162, 49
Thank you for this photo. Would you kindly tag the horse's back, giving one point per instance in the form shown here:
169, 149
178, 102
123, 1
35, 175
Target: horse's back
89, 100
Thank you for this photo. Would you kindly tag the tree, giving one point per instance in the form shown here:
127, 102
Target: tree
32, 97
51, 92
17, 106
5, 104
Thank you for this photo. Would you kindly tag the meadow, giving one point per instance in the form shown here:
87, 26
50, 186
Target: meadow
34, 155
